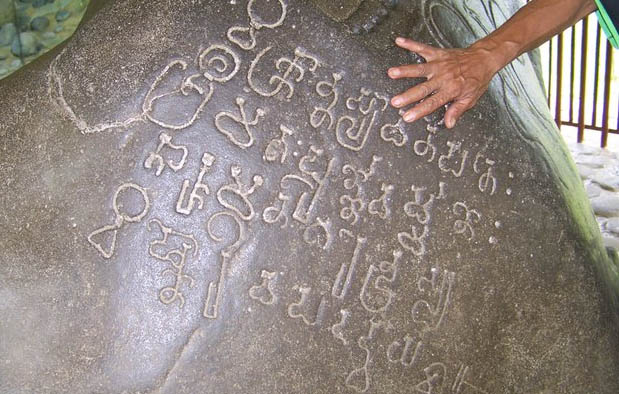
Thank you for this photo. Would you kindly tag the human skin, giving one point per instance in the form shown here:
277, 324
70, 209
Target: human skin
461, 76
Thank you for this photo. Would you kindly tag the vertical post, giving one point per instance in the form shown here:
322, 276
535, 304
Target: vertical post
572, 71
549, 91
607, 70
559, 79
596, 76
583, 80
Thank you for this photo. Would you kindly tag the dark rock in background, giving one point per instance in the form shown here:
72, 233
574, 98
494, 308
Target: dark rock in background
215, 197
44, 24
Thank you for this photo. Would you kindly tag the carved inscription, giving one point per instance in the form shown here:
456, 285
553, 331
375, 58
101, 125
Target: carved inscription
185, 204
173, 247
219, 63
240, 134
394, 133
289, 72
235, 196
353, 129
245, 37
425, 148
356, 202
420, 209
469, 218
264, 292
487, 182
216, 288
437, 288
405, 352
377, 293
277, 149
342, 282
359, 379
324, 116
97, 237
434, 379
455, 160
302, 308
190, 89
381, 206
156, 158
299, 193
338, 328
319, 233
302, 165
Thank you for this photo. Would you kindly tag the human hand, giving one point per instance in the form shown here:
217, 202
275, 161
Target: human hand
455, 76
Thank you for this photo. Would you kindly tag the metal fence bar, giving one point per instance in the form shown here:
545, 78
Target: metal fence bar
603, 87
596, 79
549, 82
559, 80
583, 81
572, 70
607, 79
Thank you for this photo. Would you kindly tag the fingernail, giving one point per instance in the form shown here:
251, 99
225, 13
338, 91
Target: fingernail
396, 101
400, 40
409, 116
394, 72
449, 123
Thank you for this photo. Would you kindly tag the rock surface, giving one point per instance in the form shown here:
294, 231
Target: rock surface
217, 198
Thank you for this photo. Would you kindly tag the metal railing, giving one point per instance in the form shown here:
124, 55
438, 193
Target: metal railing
579, 82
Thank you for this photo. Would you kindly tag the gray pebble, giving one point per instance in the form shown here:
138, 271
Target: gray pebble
591, 161
38, 3
40, 23
22, 22
7, 34
593, 190
585, 172
16, 63
62, 15
29, 44
606, 205
607, 179
49, 35
58, 28
612, 225
611, 242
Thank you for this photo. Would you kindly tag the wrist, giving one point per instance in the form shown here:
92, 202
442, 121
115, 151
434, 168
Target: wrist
496, 53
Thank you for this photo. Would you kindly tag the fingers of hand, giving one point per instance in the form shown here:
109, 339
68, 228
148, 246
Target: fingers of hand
455, 111
414, 94
429, 105
411, 71
424, 50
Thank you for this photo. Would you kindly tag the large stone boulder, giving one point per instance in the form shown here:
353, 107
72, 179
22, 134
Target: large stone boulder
216, 197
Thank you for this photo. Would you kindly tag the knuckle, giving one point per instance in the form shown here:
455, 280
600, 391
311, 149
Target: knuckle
424, 90
421, 69
429, 103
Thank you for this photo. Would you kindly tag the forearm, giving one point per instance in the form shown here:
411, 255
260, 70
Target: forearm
531, 26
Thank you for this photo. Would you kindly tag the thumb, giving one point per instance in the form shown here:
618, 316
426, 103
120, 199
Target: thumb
455, 111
